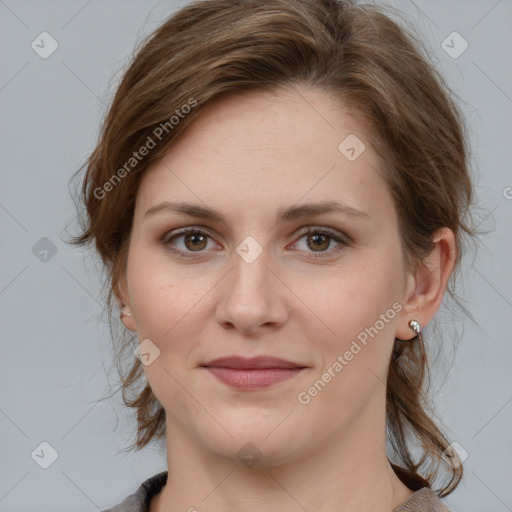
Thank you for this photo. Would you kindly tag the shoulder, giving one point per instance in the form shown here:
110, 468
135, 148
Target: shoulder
139, 501
423, 500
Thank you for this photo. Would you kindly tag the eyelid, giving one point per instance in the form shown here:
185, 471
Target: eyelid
334, 233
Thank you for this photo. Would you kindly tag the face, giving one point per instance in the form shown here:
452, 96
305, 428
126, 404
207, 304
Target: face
319, 289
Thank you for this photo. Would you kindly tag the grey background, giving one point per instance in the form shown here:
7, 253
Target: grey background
56, 347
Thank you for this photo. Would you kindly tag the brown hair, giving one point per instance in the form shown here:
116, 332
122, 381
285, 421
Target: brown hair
356, 53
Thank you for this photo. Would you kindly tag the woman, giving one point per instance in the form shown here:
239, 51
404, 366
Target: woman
279, 197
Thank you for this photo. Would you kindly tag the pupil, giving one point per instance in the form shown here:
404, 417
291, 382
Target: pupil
318, 239
196, 239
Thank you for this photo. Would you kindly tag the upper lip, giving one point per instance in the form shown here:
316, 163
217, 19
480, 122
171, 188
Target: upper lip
252, 362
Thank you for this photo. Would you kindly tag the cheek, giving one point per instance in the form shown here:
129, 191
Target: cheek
169, 303
156, 299
353, 298
355, 356
359, 309
164, 304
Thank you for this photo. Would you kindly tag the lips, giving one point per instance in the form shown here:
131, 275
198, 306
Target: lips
261, 362
252, 373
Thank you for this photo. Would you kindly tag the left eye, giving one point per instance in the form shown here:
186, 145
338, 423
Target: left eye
321, 238
195, 240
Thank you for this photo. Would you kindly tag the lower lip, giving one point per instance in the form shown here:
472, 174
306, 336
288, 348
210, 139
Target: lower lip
252, 378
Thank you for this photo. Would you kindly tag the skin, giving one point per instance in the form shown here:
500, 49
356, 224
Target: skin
247, 156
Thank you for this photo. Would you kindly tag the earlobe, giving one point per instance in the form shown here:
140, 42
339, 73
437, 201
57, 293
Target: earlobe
125, 310
126, 317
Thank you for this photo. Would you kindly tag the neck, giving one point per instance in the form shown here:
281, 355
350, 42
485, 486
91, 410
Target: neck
348, 473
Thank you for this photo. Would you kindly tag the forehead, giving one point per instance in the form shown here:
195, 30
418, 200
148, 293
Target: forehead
258, 147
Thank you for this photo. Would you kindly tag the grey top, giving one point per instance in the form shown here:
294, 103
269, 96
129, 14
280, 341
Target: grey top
423, 500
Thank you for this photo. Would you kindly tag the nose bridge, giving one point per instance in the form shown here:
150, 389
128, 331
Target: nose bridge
251, 296
250, 276
250, 260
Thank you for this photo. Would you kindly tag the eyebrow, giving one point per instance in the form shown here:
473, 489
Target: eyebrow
286, 214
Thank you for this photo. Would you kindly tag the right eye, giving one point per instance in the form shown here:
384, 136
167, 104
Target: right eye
194, 240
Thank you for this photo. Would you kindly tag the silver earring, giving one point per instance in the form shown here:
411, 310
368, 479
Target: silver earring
415, 326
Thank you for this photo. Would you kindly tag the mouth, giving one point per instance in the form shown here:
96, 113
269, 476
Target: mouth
253, 373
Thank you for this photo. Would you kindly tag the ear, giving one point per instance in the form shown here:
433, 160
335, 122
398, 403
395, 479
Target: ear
123, 301
426, 285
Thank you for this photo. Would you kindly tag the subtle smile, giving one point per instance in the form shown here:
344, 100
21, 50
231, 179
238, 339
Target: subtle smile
253, 373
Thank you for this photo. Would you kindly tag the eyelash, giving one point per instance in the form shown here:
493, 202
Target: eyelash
166, 241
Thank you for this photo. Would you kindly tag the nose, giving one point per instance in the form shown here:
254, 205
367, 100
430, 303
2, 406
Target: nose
253, 299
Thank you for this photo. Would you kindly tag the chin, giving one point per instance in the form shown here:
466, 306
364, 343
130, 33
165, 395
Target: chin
257, 442
252, 453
